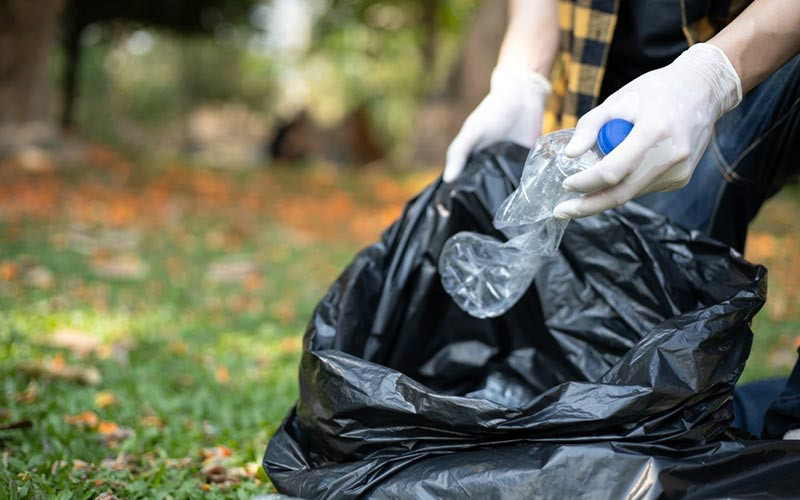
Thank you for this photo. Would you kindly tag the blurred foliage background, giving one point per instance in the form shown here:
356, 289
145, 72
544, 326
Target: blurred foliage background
222, 79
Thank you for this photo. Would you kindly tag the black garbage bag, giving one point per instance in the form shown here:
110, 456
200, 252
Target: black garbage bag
611, 378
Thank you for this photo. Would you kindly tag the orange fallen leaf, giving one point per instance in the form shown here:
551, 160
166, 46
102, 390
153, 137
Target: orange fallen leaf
9, 270
222, 375
59, 362
104, 399
107, 428
291, 344
216, 454
84, 419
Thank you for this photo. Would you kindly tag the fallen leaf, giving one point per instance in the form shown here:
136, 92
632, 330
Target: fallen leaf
104, 399
236, 269
79, 342
151, 421
87, 375
125, 266
219, 474
284, 311
8, 271
178, 463
57, 466
221, 374
59, 362
291, 345
216, 454
113, 434
84, 419
106, 428
79, 464
123, 461
108, 495
29, 395
39, 277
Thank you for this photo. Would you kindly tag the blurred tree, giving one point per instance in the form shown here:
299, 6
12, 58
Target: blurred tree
26, 30
182, 16
442, 113
392, 54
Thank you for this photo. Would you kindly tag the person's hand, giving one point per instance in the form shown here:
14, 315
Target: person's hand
673, 110
511, 111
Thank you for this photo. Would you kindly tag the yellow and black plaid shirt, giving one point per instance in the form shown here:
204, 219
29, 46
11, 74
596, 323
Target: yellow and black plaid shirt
587, 27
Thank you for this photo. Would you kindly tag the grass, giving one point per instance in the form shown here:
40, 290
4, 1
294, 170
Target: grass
187, 291
180, 296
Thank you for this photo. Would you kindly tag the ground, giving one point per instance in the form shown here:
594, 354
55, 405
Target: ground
151, 314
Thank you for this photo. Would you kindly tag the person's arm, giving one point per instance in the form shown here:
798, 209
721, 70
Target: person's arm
532, 36
761, 39
514, 107
674, 109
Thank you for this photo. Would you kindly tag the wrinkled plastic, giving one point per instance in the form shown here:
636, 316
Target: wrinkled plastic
610, 378
485, 276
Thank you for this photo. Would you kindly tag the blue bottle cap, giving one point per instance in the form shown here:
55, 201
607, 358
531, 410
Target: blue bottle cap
613, 133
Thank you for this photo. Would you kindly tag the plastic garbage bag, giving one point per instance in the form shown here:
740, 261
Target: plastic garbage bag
610, 378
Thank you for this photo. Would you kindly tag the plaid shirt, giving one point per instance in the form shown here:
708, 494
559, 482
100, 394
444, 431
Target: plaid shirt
587, 27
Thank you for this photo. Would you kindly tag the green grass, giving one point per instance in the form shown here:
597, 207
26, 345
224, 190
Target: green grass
198, 341
195, 332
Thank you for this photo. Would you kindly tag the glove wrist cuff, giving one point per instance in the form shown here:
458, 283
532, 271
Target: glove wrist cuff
713, 64
522, 79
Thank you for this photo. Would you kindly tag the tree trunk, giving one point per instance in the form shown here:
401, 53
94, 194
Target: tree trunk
71, 43
441, 116
27, 30
430, 9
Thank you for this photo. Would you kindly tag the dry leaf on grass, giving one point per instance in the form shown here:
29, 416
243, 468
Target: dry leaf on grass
84, 419
221, 374
123, 461
234, 269
79, 342
80, 464
216, 454
125, 266
104, 399
27, 396
108, 495
57, 370
113, 434
39, 277
151, 421
219, 474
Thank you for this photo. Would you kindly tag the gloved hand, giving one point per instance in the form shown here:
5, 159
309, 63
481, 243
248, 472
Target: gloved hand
511, 111
673, 110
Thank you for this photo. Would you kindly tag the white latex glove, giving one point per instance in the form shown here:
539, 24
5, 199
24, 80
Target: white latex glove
792, 435
511, 111
673, 110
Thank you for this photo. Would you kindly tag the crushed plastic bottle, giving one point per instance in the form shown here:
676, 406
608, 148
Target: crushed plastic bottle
485, 276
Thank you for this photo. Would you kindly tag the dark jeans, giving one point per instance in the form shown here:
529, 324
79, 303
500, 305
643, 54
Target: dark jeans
754, 151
